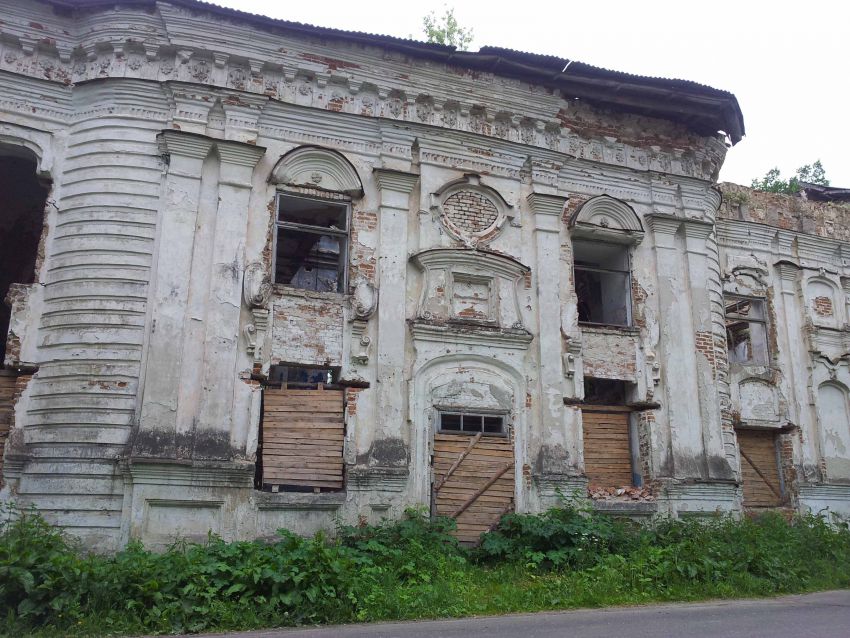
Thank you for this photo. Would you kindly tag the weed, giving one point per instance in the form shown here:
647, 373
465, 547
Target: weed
413, 568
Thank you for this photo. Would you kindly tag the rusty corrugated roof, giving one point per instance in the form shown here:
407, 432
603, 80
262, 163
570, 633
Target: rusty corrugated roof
703, 109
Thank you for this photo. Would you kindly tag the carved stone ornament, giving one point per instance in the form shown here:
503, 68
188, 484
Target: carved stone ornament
256, 287
364, 300
360, 343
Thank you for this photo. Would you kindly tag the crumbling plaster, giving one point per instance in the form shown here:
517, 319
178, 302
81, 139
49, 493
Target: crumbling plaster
142, 420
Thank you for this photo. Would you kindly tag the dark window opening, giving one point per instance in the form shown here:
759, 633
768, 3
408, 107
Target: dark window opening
604, 391
467, 423
310, 251
602, 283
746, 331
298, 377
21, 223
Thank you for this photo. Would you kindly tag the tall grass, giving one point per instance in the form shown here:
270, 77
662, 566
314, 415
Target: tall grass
408, 569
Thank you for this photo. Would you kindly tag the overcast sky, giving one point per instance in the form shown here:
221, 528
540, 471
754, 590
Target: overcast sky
787, 63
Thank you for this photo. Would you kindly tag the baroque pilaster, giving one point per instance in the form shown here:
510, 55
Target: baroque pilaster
390, 445
157, 433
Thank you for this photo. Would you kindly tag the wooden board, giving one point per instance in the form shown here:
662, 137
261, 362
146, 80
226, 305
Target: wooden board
303, 436
473, 481
759, 468
7, 402
607, 451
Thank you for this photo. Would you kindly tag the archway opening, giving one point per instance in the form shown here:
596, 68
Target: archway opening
22, 200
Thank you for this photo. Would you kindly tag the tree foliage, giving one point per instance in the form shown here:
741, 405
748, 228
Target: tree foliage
446, 30
772, 182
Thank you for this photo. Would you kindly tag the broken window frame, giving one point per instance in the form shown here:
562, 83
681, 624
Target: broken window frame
281, 227
316, 376
471, 414
736, 318
626, 273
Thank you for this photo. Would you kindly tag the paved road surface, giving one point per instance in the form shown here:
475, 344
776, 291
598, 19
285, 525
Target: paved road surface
822, 615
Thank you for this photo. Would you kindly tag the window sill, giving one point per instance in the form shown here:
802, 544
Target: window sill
602, 328
299, 500
626, 507
282, 290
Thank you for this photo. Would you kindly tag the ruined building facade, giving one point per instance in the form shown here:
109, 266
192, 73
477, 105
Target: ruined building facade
263, 275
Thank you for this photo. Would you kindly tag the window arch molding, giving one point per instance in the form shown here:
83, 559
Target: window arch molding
315, 189
607, 218
318, 168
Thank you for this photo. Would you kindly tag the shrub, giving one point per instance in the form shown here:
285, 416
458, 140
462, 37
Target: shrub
559, 537
411, 568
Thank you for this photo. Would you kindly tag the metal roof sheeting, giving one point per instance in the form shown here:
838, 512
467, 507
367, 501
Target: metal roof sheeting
703, 109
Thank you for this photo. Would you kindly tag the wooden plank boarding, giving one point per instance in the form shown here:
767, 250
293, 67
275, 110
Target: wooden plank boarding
607, 450
759, 468
303, 438
7, 403
473, 481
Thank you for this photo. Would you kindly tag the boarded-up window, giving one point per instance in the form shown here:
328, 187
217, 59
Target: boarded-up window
473, 480
759, 468
607, 448
7, 402
303, 432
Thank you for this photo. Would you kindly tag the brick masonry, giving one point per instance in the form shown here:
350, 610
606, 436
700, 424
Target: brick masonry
362, 255
609, 354
823, 306
307, 330
789, 212
470, 212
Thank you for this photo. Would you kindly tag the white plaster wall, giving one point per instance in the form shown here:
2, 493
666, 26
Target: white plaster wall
142, 330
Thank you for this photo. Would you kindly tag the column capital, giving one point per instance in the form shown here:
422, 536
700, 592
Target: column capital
191, 145
543, 204
697, 228
393, 180
239, 153
788, 270
662, 224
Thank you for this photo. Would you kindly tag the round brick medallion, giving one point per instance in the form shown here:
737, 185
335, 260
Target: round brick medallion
470, 212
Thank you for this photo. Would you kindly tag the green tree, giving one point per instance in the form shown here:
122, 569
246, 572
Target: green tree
772, 182
446, 30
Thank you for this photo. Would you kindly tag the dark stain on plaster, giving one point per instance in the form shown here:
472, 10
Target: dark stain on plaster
386, 453
552, 459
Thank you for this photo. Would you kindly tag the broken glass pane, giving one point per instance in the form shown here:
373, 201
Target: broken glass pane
312, 212
308, 260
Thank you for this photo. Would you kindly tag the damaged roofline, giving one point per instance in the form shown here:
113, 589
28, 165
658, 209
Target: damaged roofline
704, 110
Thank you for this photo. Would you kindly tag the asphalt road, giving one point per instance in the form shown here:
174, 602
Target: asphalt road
822, 615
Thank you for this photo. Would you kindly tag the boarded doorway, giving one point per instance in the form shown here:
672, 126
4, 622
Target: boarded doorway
760, 468
473, 472
302, 433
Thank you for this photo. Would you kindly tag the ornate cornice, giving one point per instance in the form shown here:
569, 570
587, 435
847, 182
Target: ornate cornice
194, 48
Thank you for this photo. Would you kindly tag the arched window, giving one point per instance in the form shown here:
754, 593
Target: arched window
312, 212
603, 231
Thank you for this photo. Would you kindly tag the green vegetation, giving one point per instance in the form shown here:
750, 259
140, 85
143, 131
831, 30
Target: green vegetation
410, 569
808, 173
446, 30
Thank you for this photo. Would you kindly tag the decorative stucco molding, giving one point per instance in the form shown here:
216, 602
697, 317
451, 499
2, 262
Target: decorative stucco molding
319, 168
605, 217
